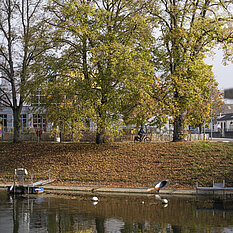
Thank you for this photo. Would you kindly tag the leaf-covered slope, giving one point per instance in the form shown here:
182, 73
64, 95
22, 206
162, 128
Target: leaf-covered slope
122, 164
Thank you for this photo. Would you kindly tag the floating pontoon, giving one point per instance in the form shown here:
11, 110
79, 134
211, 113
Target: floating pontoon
20, 186
215, 187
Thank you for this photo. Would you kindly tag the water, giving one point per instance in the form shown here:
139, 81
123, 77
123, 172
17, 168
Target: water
77, 213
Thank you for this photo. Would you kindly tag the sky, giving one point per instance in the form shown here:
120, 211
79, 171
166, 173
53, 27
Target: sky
223, 74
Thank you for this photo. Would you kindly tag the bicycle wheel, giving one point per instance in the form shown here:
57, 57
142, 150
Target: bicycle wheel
147, 139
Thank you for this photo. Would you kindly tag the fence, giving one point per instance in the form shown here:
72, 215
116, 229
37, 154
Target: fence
8, 136
90, 137
224, 134
164, 137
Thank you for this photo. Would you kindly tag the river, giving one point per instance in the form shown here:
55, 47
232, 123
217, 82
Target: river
72, 213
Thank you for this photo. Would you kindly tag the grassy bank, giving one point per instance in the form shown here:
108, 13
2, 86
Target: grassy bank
122, 164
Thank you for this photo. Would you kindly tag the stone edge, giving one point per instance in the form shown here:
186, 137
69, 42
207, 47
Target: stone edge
115, 190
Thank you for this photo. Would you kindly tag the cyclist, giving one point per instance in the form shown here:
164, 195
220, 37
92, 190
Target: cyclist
141, 133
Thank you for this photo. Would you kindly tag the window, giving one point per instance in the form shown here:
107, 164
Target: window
231, 126
39, 121
38, 99
3, 121
23, 121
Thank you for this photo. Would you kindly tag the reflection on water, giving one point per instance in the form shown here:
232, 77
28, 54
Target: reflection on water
79, 213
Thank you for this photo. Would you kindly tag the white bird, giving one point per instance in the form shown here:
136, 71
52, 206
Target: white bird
164, 201
94, 199
159, 185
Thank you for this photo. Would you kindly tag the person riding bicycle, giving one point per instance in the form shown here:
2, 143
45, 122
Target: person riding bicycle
141, 133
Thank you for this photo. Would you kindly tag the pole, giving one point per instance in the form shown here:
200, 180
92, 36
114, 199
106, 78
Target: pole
211, 120
1, 128
211, 129
169, 130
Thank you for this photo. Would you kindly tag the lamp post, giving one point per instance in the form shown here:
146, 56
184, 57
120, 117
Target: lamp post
211, 128
0, 127
211, 120
169, 126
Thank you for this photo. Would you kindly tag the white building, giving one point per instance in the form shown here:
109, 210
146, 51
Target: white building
28, 120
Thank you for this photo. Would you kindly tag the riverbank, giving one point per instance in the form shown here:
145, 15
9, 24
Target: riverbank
66, 189
121, 165
94, 190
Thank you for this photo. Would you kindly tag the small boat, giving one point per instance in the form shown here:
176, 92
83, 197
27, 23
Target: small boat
159, 185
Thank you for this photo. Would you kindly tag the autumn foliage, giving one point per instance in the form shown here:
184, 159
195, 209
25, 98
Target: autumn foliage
121, 164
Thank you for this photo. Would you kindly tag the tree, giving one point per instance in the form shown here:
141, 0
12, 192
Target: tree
21, 33
107, 45
142, 108
65, 107
189, 29
206, 107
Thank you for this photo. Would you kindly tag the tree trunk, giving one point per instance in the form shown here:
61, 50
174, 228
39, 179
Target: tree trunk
16, 124
99, 138
100, 134
200, 128
178, 133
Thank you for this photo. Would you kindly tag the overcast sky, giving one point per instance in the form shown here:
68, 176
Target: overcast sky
223, 74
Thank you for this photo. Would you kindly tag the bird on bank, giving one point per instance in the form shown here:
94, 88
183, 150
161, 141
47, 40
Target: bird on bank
159, 185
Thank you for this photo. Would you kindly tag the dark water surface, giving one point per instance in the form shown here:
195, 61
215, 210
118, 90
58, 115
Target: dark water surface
77, 213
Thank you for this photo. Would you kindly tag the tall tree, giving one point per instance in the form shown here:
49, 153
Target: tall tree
207, 107
21, 31
107, 45
188, 29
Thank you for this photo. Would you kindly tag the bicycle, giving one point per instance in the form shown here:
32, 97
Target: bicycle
144, 138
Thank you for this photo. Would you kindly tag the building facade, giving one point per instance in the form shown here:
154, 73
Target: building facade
29, 120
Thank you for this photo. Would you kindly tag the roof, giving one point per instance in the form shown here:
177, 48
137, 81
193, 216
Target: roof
225, 117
